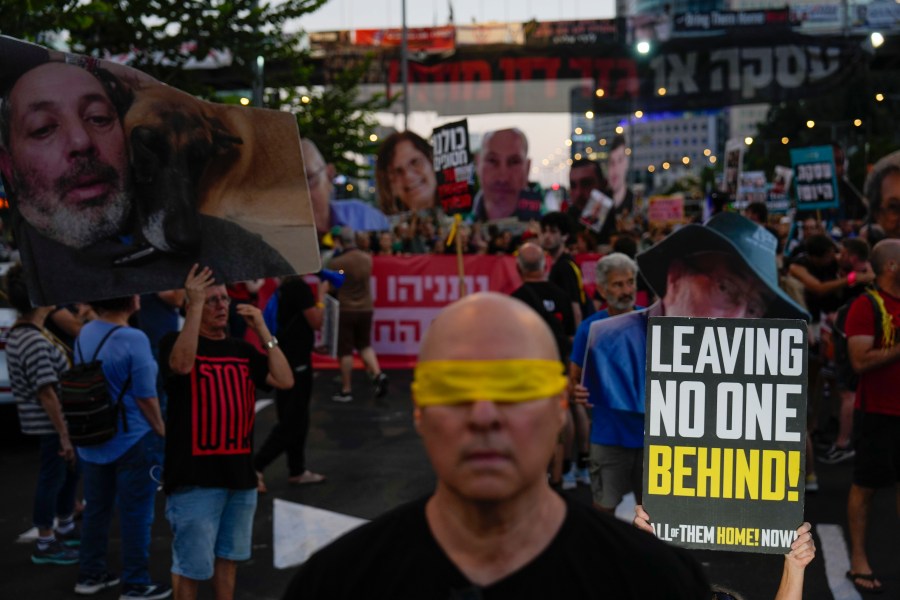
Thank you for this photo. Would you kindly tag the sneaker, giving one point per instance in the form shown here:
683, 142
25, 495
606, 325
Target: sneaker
148, 591
820, 441
583, 476
54, 554
71, 539
812, 484
836, 455
381, 385
91, 584
343, 397
569, 480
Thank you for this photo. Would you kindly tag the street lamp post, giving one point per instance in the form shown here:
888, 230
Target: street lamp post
404, 67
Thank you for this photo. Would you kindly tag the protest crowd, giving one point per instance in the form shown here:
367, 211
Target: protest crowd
164, 353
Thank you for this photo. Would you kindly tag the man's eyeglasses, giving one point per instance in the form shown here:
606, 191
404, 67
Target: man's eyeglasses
213, 300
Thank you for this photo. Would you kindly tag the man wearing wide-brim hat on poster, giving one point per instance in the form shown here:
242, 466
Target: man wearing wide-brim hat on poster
725, 268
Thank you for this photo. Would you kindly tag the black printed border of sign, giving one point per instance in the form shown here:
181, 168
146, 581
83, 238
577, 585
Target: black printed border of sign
718, 523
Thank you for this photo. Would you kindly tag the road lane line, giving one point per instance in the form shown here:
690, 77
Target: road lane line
837, 561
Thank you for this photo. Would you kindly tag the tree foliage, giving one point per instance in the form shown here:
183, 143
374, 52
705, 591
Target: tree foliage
833, 115
160, 36
338, 134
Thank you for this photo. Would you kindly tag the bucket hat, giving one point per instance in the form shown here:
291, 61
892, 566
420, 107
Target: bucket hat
732, 234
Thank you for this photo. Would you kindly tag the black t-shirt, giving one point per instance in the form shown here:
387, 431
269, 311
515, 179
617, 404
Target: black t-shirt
817, 303
549, 301
592, 556
210, 414
566, 273
295, 336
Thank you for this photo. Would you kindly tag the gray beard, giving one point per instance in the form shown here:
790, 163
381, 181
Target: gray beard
74, 227
620, 306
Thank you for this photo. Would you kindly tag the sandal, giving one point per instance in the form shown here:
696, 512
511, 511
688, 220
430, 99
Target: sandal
855, 579
305, 478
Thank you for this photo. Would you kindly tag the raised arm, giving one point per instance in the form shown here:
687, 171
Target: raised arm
280, 375
803, 550
184, 351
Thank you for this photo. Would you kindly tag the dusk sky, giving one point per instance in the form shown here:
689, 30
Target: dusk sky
369, 14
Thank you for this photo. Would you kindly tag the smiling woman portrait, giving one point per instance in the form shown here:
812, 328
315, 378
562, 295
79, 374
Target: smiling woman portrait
405, 174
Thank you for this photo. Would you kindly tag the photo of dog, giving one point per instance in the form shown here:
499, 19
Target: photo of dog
171, 181
190, 156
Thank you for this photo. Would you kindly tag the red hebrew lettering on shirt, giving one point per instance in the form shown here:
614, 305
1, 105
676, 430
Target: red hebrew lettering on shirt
223, 403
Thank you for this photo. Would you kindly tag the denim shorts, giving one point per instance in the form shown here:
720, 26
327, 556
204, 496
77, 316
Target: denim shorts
209, 523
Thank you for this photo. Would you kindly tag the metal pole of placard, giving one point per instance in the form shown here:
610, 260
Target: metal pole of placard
460, 267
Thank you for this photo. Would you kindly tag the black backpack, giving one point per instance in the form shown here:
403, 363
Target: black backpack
843, 369
90, 411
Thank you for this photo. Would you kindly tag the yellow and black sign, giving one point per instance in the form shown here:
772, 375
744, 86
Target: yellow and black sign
725, 432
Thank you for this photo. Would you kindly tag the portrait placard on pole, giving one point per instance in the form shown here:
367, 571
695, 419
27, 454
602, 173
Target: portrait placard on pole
165, 180
725, 432
453, 166
734, 158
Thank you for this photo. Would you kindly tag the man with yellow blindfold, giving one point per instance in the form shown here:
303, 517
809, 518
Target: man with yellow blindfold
490, 401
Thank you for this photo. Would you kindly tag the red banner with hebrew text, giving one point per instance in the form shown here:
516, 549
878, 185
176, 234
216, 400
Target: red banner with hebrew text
409, 291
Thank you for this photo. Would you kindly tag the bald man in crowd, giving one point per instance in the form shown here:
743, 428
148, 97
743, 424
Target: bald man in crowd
490, 400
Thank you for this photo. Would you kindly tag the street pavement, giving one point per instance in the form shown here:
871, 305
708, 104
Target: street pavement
374, 461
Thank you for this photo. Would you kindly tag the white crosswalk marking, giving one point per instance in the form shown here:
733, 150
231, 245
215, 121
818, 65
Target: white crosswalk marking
625, 509
299, 530
837, 561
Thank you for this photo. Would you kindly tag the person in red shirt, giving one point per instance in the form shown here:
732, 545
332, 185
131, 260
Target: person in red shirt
875, 355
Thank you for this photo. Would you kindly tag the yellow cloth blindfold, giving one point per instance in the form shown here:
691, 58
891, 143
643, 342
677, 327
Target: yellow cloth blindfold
513, 380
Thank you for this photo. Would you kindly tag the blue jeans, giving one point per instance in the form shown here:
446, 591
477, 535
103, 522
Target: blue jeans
127, 482
56, 484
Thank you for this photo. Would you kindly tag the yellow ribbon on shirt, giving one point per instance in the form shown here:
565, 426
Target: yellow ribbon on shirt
444, 382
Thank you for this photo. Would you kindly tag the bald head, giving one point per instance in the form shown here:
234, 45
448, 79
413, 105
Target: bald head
530, 261
488, 326
886, 257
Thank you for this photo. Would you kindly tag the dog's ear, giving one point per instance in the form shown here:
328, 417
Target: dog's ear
119, 90
223, 140
149, 153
